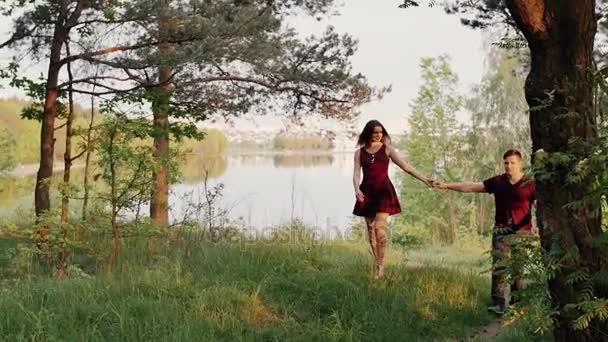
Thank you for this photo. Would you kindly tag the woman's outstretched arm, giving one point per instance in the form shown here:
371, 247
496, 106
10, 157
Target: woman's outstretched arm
406, 167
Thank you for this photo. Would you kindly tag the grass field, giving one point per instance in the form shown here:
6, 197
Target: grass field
256, 290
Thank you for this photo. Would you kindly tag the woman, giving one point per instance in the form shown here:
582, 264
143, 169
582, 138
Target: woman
376, 198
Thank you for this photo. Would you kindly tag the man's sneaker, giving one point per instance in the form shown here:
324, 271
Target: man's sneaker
497, 309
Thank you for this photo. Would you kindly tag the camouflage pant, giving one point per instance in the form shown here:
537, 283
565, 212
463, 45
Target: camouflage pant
503, 269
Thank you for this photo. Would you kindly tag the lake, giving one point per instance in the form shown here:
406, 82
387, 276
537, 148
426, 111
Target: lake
261, 190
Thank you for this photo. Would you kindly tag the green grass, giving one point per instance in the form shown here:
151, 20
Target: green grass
256, 291
252, 290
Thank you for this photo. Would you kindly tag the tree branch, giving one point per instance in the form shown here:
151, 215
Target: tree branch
17, 36
531, 18
107, 51
116, 64
78, 155
73, 19
116, 91
121, 48
274, 87
108, 22
93, 78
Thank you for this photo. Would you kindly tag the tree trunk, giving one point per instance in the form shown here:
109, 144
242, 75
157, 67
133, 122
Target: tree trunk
42, 201
47, 132
67, 156
117, 242
159, 201
560, 35
67, 166
87, 164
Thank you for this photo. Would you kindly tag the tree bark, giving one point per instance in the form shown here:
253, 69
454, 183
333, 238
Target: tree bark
89, 147
47, 132
67, 157
87, 163
560, 36
159, 203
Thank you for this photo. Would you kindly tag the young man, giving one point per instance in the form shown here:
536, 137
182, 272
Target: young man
514, 194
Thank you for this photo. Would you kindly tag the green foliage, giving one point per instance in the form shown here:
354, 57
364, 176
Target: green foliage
7, 149
23, 132
438, 147
126, 164
212, 143
432, 145
26, 132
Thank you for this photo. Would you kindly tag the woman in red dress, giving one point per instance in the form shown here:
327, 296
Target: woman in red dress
376, 198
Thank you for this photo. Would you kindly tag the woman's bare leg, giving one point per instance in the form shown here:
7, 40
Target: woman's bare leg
380, 223
371, 233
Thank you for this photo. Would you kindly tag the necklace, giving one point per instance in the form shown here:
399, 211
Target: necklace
373, 155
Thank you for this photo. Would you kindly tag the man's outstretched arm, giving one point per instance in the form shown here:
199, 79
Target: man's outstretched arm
463, 186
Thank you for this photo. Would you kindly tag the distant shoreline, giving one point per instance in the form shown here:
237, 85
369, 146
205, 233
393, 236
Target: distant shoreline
26, 170
290, 152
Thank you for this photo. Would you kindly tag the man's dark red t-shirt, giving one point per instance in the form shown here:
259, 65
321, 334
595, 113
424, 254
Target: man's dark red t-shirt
513, 201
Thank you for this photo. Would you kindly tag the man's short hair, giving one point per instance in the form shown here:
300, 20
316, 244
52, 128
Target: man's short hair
512, 152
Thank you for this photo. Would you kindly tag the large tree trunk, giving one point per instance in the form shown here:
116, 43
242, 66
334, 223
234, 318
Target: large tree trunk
42, 201
47, 132
159, 203
560, 35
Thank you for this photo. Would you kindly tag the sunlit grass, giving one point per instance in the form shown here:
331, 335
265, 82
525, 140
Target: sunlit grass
249, 290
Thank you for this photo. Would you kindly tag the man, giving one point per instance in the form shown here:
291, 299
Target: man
514, 194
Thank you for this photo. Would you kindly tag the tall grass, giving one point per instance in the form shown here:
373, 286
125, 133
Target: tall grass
247, 290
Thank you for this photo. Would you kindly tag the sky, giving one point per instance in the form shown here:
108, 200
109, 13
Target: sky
392, 42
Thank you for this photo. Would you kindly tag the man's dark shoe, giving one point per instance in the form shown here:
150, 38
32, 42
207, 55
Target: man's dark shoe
497, 309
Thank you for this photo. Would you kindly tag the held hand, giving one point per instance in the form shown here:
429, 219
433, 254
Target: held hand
359, 195
428, 181
440, 185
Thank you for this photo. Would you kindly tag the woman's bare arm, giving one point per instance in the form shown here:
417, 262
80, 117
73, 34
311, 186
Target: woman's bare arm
406, 167
357, 170
357, 176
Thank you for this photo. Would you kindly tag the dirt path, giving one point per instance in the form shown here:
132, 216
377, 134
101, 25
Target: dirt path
487, 333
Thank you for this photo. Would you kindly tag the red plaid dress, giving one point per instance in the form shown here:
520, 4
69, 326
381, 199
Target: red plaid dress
379, 192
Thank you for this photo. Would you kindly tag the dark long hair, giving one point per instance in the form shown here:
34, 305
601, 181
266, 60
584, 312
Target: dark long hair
368, 131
